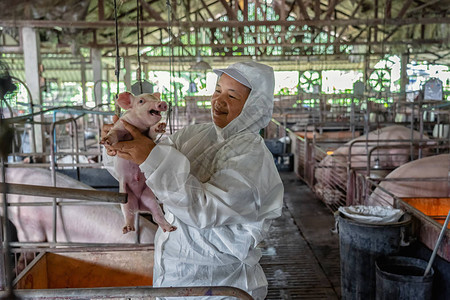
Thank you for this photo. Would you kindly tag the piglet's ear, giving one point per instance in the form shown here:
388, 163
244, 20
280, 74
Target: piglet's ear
157, 95
124, 100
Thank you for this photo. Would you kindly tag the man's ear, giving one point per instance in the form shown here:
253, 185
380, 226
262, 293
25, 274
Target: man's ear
125, 100
157, 95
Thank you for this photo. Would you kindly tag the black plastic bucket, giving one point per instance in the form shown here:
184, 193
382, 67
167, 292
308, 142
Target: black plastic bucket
399, 277
360, 245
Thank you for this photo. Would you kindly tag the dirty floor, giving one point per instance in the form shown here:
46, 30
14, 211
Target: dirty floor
301, 254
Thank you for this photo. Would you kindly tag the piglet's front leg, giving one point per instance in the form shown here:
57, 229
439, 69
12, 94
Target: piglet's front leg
116, 134
157, 129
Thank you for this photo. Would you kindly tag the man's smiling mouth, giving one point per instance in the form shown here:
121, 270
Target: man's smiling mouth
218, 112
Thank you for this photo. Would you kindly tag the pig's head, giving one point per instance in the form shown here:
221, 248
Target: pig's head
143, 110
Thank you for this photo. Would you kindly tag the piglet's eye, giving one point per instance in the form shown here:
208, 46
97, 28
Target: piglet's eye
141, 101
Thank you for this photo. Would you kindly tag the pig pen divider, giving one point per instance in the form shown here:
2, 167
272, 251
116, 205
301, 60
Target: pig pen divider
128, 272
85, 197
133, 292
355, 182
426, 227
369, 184
59, 192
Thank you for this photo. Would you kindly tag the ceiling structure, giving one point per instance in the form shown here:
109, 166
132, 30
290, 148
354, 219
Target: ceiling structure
287, 34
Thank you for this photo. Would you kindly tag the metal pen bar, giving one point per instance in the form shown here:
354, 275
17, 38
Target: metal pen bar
67, 109
58, 192
58, 166
131, 292
411, 179
62, 203
73, 245
6, 274
56, 153
438, 243
84, 247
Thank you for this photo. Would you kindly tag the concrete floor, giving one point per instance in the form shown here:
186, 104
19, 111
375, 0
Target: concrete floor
301, 254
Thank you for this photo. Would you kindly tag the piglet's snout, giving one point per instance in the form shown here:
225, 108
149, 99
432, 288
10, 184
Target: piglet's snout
162, 106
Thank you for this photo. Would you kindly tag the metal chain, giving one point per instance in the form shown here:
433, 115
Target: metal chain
117, 71
138, 15
169, 31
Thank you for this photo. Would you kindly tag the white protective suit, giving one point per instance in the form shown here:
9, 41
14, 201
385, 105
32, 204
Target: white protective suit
219, 187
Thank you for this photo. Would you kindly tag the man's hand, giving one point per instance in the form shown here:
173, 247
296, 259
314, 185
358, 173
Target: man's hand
105, 129
135, 150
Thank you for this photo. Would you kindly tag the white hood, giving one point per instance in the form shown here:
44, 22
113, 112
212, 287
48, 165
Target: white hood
257, 111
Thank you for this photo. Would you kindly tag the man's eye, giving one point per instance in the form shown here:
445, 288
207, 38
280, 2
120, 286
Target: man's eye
232, 97
217, 91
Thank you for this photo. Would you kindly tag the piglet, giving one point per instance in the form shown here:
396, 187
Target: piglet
143, 112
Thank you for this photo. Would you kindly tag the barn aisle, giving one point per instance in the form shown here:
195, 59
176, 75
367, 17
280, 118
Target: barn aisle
301, 254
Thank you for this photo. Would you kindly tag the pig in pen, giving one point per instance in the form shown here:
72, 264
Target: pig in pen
426, 177
334, 175
75, 222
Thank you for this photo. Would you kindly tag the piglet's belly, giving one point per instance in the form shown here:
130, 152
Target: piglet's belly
129, 172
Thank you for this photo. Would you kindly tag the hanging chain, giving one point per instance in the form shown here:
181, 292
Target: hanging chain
117, 71
169, 30
138, 16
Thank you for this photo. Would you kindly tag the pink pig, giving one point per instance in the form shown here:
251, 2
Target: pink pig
143, 112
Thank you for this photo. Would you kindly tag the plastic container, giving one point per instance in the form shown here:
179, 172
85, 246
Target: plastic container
360, 245
399, 277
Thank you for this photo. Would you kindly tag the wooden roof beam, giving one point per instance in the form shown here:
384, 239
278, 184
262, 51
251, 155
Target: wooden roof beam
287, 44
230, 12
421, 7
245, 10
212, 29
404, 8
159, 24
387, 10
403, 12
331, 6
303, 11
317, 10
101, 10
344, 28
207, 9
151, 11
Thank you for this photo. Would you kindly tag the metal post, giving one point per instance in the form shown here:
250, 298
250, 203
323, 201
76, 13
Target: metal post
5, 273
412, 131
30, 40
352, 117
59, 192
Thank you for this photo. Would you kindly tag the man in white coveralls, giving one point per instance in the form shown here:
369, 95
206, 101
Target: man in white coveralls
218, 184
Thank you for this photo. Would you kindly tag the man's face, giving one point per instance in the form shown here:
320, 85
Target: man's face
228, 100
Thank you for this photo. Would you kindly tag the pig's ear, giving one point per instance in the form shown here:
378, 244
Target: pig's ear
124, 100
157, 95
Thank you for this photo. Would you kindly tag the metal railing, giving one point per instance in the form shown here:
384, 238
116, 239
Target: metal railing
132, 292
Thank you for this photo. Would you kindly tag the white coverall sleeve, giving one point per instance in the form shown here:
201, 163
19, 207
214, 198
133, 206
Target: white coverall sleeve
245, 188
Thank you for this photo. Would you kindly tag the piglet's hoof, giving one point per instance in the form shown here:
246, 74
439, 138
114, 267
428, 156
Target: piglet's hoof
169, 228
109, 140
128, 228
161, 128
